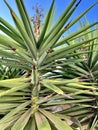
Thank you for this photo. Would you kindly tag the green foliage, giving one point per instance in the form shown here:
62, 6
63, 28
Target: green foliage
9, 72
55, 77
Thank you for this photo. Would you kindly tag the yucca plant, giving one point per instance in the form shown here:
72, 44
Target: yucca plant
9, 72
85, 70
32, 101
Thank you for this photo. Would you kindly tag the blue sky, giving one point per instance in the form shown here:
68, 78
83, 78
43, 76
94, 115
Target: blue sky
60, 5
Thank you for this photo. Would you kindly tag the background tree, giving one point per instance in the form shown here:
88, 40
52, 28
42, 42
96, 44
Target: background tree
36, 19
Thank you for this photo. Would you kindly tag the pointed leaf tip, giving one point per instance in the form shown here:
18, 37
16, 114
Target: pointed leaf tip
78, 3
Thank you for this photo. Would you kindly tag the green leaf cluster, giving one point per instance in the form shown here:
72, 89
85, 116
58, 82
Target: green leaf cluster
49, 83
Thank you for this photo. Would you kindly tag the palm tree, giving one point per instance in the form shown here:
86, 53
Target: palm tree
31, 101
